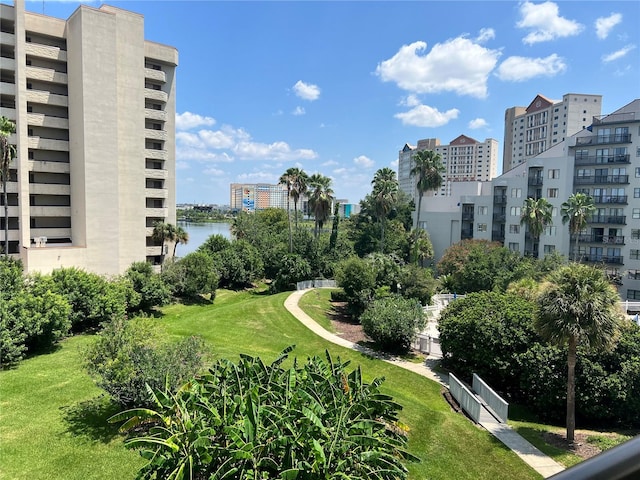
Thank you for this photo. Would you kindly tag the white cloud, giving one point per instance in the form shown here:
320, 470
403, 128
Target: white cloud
280, 151
363, 161
426, 116
216, 172
485, 34
188, 120
395, 163
478, 123
340, 171
329, 163
182, 165
458, 65
410, 101
257, 177
617, 54
306, 91
298, 111
519, 69
545, 23
605, 24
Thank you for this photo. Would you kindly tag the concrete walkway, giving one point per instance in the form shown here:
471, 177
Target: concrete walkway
540, 462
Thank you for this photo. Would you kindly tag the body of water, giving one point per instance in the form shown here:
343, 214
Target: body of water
199, 232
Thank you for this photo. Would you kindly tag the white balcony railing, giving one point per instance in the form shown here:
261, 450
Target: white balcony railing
49, 167
46, 75
45, 51
42, 120
155, 173
47, 98
156, 154
49, 189
48, 144
158, 95
156, 193
152, 74
152, 134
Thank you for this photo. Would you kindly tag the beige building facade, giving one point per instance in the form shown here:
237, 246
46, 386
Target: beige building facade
94, 107
529, 131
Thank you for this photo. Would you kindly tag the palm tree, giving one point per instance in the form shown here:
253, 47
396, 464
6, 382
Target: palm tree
320, 199
286, 179
420, 246
428, 170
385, 196
299, 186
577, 306
8, 153
180, 237
536, 215
577, 210
163, 232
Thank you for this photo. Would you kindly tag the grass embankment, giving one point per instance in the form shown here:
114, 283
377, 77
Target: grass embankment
52, 423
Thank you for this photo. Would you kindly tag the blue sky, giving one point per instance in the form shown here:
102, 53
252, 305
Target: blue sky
340, 87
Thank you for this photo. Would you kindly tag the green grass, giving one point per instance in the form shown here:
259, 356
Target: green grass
52, 421
317, 304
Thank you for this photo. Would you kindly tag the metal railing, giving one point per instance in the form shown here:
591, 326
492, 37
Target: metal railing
318, 283
601, 159
601, 180
465, 398
495, 402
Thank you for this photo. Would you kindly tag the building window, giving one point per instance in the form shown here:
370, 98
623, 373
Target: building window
637, 172
550, 230
638, 152
554, 212
554, 173
514, 228
635, 213
635, 234
636, 193
516, 192
549, 249
483, 210
552, 193
633, 294
515, 211
482, 227
634, 254
514, 246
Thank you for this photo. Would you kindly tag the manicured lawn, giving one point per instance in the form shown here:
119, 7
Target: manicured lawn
51, 426
316, 304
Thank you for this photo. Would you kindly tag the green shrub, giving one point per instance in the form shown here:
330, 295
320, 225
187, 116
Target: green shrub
149, 285
393, 322
293, 269
192, 276
129, 355
249, 420
358, 281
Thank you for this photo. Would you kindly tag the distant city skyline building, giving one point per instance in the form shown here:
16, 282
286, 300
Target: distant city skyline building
251, 197
94, 108
465, 160
529, 131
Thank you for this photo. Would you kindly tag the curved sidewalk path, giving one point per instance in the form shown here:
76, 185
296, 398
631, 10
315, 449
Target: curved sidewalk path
537, 460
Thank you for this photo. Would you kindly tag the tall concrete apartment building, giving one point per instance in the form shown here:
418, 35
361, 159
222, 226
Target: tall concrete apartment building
249, 197
602, 161
94, 107
529, 131
465, 160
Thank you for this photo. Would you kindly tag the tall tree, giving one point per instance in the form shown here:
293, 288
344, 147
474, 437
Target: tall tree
8, 153
385, 196
163, 232
299, 186
286, 180
427, 171
578, 306
320, 199
180, 237
577, 210
537, 214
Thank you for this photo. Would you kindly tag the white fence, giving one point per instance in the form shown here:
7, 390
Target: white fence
628, 306
319, 283
427, 344
465, 398
495, 402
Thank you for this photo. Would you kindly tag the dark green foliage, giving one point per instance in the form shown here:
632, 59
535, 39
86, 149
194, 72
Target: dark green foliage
192, 276
358, 280
484, 333
393, 322
149, 285
215, 243
239, 265
11, 279
93, 299
293, 269
127, 356
417, 283
254, 421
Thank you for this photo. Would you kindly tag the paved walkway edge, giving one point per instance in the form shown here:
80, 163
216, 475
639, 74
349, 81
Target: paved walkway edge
533, 457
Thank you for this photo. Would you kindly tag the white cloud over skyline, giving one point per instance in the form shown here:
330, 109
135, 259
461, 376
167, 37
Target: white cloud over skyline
426, 116
519, 69
545, 23
477, 123
188, 120
364, 161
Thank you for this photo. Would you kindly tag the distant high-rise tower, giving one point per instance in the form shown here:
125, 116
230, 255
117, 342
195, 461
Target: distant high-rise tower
529, 131
94, 107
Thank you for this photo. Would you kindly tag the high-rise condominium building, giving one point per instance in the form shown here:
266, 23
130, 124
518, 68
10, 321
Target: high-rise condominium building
529, 131
249, 197
94, 107
465, 159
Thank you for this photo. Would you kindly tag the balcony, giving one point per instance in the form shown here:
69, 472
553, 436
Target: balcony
156, 173
42, 120
47, 98
497, 237
46, 75
499, 217
609, 219
467, 217
602, 180
10, 113
156, 154
604, 239
50, 211
617, 199
156, 193
49, 167
152, 134
13, 235
8, 63
595, 258
152, 114
157, 212
634, 274
602, 160
49, 189
157, 95
39, 143
50, 232
7, 88
466, 233
12, 187
45, 51
604, 139
154, 251
153, 74
535, 181
7, 38
499, 199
